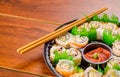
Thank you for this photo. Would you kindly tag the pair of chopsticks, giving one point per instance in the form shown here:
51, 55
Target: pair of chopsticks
53, 34
57, 32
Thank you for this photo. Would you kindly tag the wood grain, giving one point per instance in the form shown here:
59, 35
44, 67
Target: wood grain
15, 33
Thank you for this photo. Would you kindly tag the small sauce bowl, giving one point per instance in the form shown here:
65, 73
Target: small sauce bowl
92, 46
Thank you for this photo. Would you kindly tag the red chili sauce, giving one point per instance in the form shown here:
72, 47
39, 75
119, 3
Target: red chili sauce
97, 55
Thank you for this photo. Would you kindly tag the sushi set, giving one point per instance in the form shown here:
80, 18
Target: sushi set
91, 49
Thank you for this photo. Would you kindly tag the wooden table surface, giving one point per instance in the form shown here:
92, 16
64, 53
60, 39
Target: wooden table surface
15, 32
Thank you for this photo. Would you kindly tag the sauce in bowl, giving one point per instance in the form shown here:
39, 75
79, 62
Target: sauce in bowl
97, 55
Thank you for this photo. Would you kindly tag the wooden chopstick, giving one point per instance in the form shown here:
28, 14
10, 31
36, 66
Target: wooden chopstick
56, 33
25, 72
31, 19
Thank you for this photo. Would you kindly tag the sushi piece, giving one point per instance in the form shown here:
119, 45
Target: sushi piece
116, 48
78, 42
75, 53
113, 67
63, 39
98, 26
81, 74
117, 31
114, 60
65, 67
95, 24
112, 73
109, 26
91, 72
84, 25
55, 48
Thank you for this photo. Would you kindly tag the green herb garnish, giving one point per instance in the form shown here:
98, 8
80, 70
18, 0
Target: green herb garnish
83, 32
116, 37
100, 69
116, 66
107, 37
92, 34
106, 69
78, 69
103, 71
106, 18
62, 55
75, 31
96, 18
114, 19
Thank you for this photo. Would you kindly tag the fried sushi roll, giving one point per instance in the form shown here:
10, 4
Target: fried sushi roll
91, 72
65, 67
75, 53
54, 48
63, 39
116, 48
78, 42
112, 73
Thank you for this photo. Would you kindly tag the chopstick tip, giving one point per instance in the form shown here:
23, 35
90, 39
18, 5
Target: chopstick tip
105, 8
19, 52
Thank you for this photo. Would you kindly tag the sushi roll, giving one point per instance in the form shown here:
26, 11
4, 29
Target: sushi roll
98, 26
113, 65
114, 60
91, 72
112, 73
116, 48
63, 39
95, 24
78, 41
54, 48
65, 67
109, 26
117, 31
86, 25
81, 74
75, 53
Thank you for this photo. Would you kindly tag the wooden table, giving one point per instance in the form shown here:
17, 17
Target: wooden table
15, 32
